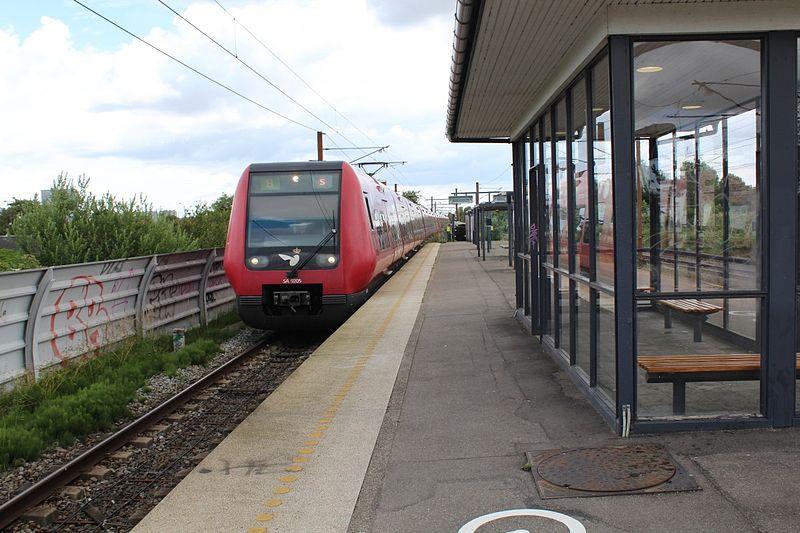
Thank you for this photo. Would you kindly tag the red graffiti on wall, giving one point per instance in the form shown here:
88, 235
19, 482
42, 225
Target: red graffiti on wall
78, 318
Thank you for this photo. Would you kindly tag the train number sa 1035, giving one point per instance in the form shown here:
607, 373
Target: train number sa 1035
287, 281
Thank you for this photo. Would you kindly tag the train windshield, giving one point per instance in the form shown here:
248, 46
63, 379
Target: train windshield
291, 211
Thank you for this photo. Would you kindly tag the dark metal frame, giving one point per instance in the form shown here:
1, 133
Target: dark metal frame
780, 146
621, 85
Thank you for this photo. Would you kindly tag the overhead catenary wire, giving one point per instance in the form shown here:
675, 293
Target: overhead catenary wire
500, 175
254, 71
302, 80
290, 69
196, 71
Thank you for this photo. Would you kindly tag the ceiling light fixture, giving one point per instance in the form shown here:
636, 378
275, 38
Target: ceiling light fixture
649, 69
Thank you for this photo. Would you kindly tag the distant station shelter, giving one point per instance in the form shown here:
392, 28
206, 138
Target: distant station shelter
655, 196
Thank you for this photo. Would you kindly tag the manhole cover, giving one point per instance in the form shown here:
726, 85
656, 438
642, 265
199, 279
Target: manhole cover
615, 469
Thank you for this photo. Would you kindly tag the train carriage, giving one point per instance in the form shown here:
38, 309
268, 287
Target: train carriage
309, 242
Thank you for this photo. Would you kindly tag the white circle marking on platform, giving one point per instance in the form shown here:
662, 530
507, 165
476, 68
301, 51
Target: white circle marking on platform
473, 525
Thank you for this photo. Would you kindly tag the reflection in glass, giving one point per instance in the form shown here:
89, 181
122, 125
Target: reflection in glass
580, 178
564, 305
601, 153
547, 237
561, 185
697, 173
696, 122
531, 231
606, 346
582, 324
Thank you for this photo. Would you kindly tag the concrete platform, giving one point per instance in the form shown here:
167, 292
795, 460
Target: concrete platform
475, 392
297, 463
416, 416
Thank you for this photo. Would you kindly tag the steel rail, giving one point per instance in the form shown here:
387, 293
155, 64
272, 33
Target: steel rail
42, 489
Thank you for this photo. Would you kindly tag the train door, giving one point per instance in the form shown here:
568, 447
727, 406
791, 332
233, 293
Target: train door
393, 225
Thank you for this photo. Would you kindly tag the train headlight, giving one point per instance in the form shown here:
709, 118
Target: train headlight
258, 261
326, 260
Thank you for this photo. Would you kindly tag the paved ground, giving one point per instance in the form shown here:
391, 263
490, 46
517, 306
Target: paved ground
474, 392
297, 463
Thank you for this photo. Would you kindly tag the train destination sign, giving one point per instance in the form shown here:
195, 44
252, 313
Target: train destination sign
460, 199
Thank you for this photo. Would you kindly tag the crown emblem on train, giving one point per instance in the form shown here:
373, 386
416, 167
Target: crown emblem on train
293, 259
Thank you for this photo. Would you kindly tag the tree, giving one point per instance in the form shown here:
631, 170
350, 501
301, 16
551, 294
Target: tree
412, 196
208, 225
10, 213
74, 226
16, 260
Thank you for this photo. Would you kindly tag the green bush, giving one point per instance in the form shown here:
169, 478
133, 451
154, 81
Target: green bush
16, 260
208, 225
74, 226
19, 444
92, 394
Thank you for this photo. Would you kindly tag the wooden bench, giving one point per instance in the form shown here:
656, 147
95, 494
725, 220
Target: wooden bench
644, 304
696, 309
680, 369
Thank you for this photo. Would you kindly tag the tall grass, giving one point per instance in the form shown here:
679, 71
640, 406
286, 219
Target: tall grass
93, 394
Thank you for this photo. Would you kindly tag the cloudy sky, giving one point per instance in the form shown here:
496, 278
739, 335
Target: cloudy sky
79, 95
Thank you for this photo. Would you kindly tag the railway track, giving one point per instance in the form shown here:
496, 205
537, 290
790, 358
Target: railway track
113, 484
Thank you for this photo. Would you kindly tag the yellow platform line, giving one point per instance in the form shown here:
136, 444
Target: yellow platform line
327, 419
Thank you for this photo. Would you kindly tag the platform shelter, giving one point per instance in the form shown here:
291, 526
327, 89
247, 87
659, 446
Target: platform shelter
655, 189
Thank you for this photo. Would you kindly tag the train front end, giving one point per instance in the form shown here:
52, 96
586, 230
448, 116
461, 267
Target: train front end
283, 255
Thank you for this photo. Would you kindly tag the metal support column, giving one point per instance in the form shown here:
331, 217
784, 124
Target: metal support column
780, 147
624, 223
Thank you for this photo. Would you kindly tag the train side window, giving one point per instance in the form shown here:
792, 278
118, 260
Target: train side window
369, 214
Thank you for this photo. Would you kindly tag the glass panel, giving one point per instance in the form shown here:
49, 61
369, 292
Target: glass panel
643, 226
532, 235
582, 323
550, 305
580, 170
563, 310
547, 237
696, 121
561, 184
797, 248
601, 153
679, 344
696, 124
606, 346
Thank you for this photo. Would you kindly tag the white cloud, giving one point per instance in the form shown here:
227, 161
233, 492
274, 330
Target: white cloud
135, 121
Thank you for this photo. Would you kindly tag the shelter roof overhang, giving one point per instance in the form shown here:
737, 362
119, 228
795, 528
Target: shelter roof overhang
511, 58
